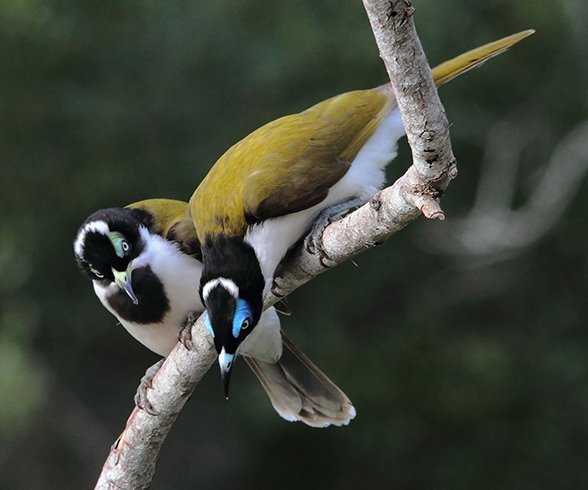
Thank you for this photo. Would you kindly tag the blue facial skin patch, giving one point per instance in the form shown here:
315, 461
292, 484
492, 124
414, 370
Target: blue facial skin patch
208, 324
242, 313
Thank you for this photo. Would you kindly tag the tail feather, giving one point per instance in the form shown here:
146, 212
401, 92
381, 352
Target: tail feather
471, 59
300, 391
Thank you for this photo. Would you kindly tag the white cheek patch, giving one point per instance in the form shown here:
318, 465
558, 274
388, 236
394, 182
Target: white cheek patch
228, 284
94, 226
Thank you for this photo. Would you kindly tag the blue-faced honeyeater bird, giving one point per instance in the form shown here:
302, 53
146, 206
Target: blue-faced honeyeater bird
262, 196
257, 201
144, 262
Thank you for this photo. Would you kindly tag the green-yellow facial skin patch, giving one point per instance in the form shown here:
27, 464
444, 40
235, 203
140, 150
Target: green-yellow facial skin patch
117, 240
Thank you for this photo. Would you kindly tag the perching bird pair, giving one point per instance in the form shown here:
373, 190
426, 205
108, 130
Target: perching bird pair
155, 261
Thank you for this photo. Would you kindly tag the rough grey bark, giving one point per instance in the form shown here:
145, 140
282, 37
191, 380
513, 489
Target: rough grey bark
427, 128
132, 459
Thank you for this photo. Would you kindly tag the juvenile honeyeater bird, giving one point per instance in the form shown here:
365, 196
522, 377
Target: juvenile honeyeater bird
262, 196
144, 262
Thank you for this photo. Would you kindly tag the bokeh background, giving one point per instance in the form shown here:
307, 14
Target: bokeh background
463, 344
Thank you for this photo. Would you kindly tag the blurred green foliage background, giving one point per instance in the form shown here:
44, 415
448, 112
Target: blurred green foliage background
463, 344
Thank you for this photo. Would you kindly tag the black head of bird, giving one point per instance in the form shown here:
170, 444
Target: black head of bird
130, 265
231, 295
107, 246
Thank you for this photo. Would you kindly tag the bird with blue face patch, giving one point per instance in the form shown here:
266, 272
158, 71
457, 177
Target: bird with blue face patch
264, 193
145, 264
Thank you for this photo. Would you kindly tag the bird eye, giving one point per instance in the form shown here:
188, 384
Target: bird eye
245, 324
125, 246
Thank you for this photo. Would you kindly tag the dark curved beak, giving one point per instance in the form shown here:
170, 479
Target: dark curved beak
225, 362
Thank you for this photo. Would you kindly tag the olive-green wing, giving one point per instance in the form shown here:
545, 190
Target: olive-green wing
287, 165
171, 219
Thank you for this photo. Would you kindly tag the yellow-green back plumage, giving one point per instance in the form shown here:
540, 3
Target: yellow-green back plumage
289, 164
310, 151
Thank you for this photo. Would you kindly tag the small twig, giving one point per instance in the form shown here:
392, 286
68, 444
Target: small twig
495, 229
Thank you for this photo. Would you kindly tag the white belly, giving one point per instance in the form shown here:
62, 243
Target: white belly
180, 275
161, 338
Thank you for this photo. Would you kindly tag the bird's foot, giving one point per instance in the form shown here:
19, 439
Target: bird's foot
185, 335
145, 385
314, 240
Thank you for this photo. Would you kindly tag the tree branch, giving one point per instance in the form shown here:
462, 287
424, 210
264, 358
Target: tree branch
132, 459
427, 128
